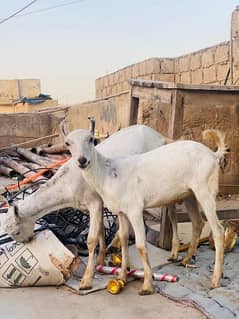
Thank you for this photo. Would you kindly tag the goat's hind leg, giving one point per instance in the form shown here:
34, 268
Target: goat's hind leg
207, 200
197, 226
124, 236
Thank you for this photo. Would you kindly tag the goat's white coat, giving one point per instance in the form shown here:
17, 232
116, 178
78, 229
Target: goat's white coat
162, 176
69, 189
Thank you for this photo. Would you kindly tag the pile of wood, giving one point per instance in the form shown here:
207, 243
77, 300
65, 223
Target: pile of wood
31, 163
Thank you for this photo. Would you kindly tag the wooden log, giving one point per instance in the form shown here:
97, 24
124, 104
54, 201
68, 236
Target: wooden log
18, 167
56, 157
36, 168
7, 171
37, 149
33, 157
54, 149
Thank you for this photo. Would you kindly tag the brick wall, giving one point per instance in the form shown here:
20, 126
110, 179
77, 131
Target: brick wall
206, 66
155, 69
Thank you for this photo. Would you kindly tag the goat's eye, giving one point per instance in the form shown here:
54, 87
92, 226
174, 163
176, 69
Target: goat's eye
67, 143
91, 140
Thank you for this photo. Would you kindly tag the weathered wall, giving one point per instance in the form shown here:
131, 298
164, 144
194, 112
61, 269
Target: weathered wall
152, 69
206, 66
110, 114
22, 108
21, 127
15, 89
206, 110
202, 109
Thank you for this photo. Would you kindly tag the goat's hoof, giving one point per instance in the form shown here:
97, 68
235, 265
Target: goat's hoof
145, 292
85, 287
215, 284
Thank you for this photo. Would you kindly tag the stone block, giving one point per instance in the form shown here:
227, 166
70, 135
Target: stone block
197, 77
129, 71
177, 77
111, 80
125, 86
29, 87
235, 52
185, 77
195, 61
152, 66
222, 70
184, 63
167, 77
167, 66
210, 74
142, 68
116, 77
135, 71
222, 53
208, 57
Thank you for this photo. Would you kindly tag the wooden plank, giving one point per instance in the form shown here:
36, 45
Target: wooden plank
228, 189
165, 234
174, 131
176, 117
225, 214
30, 143
182, 86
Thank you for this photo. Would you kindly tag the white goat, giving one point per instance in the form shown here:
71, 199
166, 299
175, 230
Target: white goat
69, 189
170, 173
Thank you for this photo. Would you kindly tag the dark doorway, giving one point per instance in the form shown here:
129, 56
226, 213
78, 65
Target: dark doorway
134, 108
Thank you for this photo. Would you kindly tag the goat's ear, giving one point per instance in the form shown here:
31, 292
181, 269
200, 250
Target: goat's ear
16, 213
92, 125
95, 141
63, 128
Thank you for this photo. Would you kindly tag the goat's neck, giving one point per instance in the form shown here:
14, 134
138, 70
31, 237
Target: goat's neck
45, 200
98, 171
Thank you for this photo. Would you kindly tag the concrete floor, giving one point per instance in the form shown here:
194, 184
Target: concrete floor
58, 303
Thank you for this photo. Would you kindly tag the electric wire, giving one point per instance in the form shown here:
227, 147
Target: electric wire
16, 13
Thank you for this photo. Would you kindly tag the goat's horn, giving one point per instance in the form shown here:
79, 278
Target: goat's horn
63, 128
92, 124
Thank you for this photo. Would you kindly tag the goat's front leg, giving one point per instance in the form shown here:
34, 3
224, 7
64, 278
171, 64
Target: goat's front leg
94, 230
137, 223
100, 260
124, 238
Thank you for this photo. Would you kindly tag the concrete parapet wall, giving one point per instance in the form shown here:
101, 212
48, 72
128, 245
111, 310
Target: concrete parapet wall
111, 113
15, 89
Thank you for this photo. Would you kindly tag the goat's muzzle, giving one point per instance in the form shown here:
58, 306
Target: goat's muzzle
83, 163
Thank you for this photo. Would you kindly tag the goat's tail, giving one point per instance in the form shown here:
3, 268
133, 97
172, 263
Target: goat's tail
216, 138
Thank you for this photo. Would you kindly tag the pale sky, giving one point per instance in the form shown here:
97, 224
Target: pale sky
69, 47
